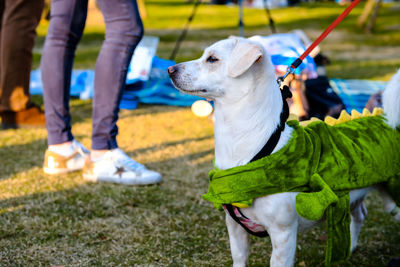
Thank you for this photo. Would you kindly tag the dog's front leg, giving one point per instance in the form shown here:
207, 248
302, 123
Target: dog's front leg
239, 242
284, 240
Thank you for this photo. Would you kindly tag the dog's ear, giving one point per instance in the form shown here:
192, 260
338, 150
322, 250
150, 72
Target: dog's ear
244, 55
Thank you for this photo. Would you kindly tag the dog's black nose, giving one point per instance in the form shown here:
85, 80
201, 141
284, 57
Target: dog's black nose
172, 69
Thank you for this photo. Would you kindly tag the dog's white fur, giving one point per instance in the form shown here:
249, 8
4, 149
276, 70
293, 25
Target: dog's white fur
238, 75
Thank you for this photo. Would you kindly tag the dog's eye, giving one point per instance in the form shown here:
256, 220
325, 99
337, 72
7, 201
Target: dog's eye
212, 59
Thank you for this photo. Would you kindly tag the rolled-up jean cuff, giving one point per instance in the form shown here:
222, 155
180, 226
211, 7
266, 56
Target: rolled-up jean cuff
100, 144
56, 139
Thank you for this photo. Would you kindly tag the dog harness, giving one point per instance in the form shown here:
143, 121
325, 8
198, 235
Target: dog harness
323, 163
233, 210
247, 224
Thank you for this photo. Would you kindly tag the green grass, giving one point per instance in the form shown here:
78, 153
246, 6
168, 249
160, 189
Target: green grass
63, 220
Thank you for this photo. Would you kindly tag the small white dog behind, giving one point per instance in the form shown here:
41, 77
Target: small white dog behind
239, 77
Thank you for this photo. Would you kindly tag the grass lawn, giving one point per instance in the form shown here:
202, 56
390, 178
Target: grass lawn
65, 221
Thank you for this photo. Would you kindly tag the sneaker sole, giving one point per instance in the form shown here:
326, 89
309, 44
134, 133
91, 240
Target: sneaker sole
59, 171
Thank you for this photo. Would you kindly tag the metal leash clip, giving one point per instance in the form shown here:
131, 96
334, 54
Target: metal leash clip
289, 70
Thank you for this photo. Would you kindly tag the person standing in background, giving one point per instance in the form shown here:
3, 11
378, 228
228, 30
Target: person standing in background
18, 22
124, 29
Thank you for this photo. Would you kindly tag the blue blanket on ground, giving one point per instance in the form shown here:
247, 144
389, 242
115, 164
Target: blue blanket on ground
159, 89
355, 93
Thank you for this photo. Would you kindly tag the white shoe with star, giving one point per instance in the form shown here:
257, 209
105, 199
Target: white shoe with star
117, 167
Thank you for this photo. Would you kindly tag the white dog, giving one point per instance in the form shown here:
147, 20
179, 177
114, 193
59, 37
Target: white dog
239, 77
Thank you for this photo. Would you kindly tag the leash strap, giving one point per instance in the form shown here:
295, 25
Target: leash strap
231, 210
274, 139
299, 60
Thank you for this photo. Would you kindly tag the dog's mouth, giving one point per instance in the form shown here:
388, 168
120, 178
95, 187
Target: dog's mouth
193, 92
180, 86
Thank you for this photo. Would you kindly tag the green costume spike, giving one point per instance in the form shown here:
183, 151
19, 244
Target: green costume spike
324, 163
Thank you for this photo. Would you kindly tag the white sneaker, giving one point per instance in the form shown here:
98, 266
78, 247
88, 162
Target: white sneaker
117, 167
73, 160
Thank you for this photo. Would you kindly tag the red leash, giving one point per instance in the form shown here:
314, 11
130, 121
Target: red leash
299, 60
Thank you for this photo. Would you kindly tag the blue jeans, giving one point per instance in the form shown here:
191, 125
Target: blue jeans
124, 30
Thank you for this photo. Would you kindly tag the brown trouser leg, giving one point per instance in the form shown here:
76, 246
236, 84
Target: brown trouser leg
19, 19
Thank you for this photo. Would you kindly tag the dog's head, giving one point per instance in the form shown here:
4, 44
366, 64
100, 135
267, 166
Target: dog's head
227, 69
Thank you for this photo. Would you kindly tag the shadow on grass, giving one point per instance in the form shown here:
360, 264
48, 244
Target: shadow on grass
170, 144
103, 223
99, 223
20, 158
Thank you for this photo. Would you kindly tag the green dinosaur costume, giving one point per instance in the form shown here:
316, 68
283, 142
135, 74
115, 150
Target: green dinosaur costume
324, 163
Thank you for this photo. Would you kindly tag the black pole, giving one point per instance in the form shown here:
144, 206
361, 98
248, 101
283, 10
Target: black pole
269, 17
184, 31
241, 24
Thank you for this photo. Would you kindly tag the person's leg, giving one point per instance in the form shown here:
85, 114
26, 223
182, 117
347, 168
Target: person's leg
19, 19
2, 8
67, 21
123, 32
